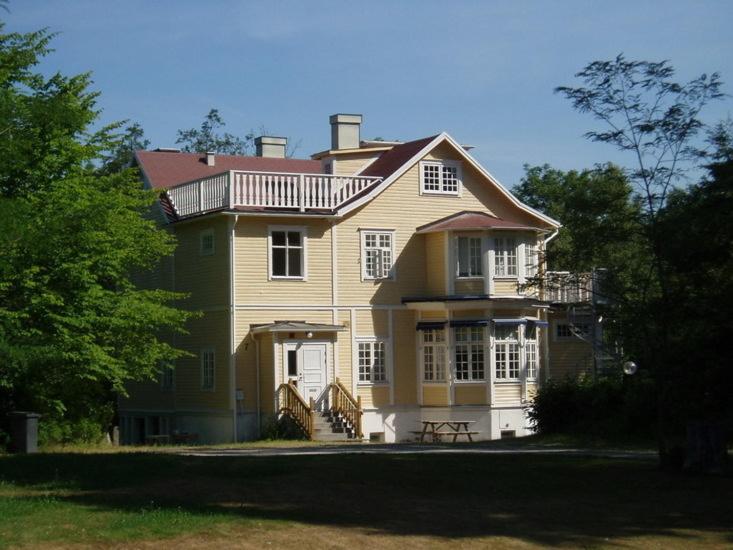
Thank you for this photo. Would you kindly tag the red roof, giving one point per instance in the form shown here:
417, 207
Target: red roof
468, 221
167, 169
392, 160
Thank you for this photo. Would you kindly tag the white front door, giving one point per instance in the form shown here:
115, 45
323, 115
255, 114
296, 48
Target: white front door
312, 370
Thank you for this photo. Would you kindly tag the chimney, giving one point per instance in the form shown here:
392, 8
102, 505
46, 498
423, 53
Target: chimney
270, 146
210, 158
345, 131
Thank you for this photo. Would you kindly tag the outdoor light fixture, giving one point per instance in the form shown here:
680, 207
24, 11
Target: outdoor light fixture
309, 335
630, 368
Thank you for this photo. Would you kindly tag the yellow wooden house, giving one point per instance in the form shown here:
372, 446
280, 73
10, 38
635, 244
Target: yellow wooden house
358, 293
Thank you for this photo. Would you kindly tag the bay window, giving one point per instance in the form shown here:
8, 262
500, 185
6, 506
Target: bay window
469, 353
469, 256
506, 352
434, 355
505, 257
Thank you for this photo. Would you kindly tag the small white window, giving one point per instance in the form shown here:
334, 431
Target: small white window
206, 242
377, 254
530, 351
208, 362
440, 177
505, 257
469, 353
506, 352
287, 252
167, 375
434, 355
531, 259
372, 369
469, 257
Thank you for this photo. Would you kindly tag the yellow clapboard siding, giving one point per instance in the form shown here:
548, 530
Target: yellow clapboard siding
469, 286
470, 314
505, 287
435, 396
429, 315
470, 394
507, 394
405, 367
373, 396
435, 264
350, 165
372, 323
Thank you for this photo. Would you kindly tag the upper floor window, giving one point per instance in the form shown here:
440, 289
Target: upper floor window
505, 257
434, 351
531, 259
506, 352
167, 374
377, 254
469, 256
469, 353
207, 368
372, 367
581, 327
440, 177
287, 252
206, 242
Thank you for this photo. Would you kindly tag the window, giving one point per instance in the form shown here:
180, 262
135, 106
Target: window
371, 362
440, 177
207, 369
377, 254
433, 355
292, 362
287, 254
506, 352
531, 260
505, 257
469, 353
206, 242
469, 257
580, 328
530, 351
167, 374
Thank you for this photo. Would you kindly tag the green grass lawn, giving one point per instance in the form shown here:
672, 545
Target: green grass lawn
405, 501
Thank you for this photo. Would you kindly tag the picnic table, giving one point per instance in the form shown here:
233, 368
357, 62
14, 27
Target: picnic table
436, 429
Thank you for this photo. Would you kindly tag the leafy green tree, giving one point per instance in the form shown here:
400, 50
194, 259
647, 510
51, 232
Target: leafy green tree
73, 325
207, 138
655, 119
121, 154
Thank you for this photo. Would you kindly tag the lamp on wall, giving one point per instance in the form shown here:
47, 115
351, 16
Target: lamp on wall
309, 335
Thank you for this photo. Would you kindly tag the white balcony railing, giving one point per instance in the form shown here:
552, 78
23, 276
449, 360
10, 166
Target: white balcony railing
567, 287
299, 192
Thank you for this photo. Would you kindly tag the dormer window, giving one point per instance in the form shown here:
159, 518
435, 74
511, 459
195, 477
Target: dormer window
440, 177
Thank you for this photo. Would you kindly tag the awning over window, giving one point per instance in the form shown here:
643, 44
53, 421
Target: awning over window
509, 321
469, 323
430, 325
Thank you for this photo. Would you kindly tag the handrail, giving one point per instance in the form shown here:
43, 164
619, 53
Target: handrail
291, 403
344, 404
568, 287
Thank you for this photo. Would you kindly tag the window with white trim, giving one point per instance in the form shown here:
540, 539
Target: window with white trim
167, 374
506, 352
505, 257
440, 177
372, 368
530, 351
208, 363
287, 253
469, 353
580, 328
468, 254
531, 259
206, 242
377, 252
434, 355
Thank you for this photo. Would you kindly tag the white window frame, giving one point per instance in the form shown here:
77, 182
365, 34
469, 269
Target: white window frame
571, 336
480, 345
435, 347
208, 354
391, 274
303, 256
457, 256
501, 250
531, 259
371, 342
531, 354
203, 236
441, 184
509, 345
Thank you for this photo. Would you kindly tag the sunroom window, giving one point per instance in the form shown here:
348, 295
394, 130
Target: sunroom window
469, 353
434, 352
469, 257
506, 352
505, 257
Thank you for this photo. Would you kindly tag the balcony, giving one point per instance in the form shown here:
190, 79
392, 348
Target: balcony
568, 288
235, 189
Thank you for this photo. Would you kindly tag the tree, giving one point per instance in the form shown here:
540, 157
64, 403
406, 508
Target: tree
121, 154
206, 138
656, 120
74, 328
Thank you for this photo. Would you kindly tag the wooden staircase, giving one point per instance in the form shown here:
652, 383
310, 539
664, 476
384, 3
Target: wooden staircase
339, 421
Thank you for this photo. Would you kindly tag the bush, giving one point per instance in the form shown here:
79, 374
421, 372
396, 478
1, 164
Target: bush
62, 432
605, 407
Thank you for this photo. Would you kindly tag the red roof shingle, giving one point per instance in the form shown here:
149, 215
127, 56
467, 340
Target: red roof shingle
467, 221
391, 161
168, 169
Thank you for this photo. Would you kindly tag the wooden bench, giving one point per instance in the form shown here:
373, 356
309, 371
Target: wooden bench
434, 428
438, 435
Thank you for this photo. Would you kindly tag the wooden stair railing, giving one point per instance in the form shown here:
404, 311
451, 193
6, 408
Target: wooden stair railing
292, 404
344, 404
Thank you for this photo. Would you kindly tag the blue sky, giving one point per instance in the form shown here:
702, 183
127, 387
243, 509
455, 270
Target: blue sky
483, 71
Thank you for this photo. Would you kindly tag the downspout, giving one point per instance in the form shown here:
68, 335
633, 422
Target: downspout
232, 222
546, 340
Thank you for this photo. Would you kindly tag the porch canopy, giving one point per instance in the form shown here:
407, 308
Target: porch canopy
474, 221
295, 326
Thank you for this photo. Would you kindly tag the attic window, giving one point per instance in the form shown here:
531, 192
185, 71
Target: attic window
440, 177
